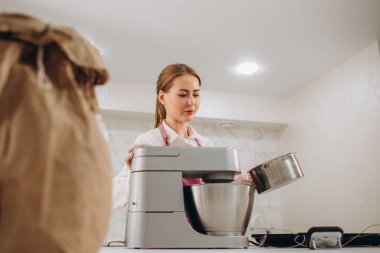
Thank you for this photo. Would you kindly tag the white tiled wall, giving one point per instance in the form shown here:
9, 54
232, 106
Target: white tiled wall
254, 145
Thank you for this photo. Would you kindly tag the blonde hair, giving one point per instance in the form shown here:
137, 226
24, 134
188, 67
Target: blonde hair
165, 82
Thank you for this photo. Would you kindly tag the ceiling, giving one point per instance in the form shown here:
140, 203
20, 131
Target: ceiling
293, 41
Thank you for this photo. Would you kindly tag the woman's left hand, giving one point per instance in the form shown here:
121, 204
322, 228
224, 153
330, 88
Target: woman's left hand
243, 178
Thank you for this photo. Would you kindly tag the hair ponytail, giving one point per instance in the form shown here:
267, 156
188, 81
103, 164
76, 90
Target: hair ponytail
160, 114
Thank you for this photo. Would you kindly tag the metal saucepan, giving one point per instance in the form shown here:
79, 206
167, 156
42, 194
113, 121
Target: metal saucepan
276, 172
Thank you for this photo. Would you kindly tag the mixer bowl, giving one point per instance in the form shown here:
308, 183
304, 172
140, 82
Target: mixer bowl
219, 208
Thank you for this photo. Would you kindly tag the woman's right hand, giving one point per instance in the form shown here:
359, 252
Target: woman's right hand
129, 157
243, 178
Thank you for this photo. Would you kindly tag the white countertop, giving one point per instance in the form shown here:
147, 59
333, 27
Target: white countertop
251, 249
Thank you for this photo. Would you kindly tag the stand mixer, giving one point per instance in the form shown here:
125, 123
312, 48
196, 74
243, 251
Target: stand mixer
156, 207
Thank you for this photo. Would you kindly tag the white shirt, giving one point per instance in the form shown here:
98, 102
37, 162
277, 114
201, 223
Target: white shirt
153, 138
120, 192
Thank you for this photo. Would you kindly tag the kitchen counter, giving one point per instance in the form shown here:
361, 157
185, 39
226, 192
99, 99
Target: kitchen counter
251, 249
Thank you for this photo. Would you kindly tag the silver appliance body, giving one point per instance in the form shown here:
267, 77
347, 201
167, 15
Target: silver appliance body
156, 207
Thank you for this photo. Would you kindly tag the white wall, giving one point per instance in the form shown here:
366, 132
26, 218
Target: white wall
141, 99
335, 130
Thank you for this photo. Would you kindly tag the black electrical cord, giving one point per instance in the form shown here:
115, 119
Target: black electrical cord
253, 243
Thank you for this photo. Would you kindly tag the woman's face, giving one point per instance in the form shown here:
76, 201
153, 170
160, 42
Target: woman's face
182, 100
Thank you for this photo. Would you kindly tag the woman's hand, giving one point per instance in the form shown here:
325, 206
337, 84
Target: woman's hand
243, 178
129, 157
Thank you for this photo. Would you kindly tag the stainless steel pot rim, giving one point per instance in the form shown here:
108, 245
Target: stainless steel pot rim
273, 159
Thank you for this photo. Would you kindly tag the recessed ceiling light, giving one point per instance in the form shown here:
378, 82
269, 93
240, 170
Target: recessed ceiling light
247, 68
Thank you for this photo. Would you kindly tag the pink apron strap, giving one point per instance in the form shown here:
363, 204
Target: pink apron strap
191, 181
198, 142
164, 134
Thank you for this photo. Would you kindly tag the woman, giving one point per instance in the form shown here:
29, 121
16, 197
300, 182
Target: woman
178, 90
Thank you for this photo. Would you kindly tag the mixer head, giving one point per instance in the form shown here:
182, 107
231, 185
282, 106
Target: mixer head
219, 177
